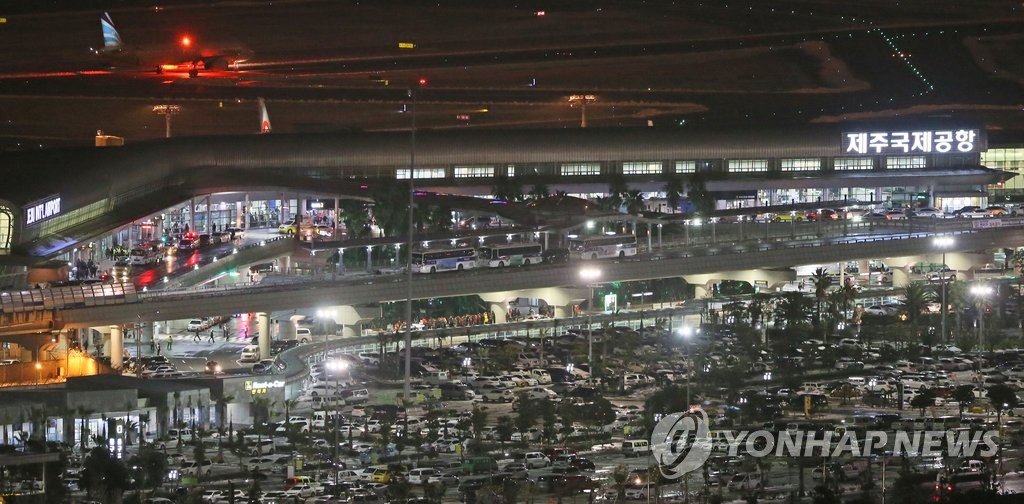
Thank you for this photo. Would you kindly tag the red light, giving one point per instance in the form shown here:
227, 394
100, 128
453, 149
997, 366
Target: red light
186, 41
541, 13
423, 81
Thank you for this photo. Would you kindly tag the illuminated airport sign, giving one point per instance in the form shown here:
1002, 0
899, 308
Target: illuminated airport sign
42, 210
912, 142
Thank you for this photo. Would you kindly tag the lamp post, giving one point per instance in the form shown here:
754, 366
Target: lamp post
943, 243
336, 367
321, 314
686, 332
167, 111
407, 384
589, 274
981, 292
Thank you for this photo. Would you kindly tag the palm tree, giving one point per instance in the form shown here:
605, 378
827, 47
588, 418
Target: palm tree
222, 409
143, 422
634, 202
355, 217
540, 191
915, 302
821, 281
507, 189
617, 191
83, 432
793, 309
673, 191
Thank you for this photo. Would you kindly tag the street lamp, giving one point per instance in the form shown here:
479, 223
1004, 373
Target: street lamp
39, 371
589, 274
686, 332
167, 111
336, 367
943, 243
321, 314
980, 292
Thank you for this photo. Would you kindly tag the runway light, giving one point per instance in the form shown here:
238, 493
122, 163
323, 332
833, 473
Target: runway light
423, 81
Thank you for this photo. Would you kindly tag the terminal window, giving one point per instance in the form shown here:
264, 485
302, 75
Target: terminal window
801, 164
748, 165
420, 173
581, 169
686, 167
474, 171
905, 162
850, 164
641, 168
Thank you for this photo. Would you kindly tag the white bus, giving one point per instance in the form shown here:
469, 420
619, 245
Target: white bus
512, 254
431, 261
601, 246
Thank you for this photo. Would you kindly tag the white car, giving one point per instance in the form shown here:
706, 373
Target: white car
497, 395
929, 212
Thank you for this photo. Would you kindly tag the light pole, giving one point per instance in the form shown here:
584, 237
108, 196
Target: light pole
981, 292
943, 243
589, 274
167, 111
407, 385
686, 332
336, 367
321, 314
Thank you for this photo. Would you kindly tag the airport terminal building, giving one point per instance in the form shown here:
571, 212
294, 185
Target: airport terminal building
87, 193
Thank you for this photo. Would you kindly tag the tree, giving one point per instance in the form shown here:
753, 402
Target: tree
222, 410
964, 396
504, 429
539, 191
634, 201
149, 468
478, 419
674, 188
793, 309
526, 417
507, 188
699, 195
617, 191
1003, 398
915, 301
103, 476
821, 280
355, 217
925, 398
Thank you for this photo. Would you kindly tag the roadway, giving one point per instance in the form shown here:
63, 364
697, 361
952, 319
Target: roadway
755, 255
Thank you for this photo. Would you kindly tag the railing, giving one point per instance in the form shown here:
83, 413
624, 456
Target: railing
77, 296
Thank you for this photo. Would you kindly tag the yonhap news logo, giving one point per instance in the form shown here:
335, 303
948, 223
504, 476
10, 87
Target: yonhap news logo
683, 442
674, 446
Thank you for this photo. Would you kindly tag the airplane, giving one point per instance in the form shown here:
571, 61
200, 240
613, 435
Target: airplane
186, 55
264, 117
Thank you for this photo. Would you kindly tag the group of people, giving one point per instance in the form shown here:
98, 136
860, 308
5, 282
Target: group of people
442, 322
85, 269
515, 314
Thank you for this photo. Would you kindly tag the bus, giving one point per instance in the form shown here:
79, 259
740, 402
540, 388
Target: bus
513, 254
599, 247
453, 259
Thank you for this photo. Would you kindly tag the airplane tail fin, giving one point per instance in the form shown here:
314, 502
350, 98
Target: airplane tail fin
264, 117
111, 39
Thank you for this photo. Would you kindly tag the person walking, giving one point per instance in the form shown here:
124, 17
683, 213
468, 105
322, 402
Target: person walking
196, 338
211, 337
169, 341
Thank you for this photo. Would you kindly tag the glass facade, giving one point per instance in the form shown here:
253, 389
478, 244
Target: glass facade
474, 171
641, 168
850, 164
801, 164
1011, 160
576, 169
905, 163
686, 167
748, 165
420, 173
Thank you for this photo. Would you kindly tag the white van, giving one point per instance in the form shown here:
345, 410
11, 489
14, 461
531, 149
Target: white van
251, 353
436, 377
303, 335
635, 447
542, 376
